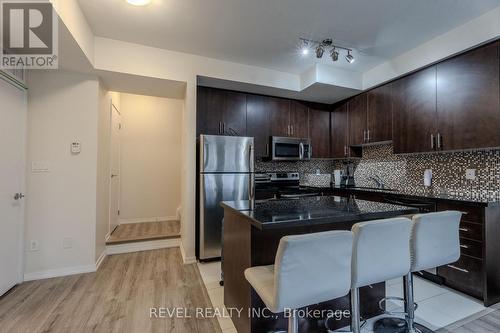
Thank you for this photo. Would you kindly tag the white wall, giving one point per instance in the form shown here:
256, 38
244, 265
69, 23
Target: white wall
150, 157
61, 203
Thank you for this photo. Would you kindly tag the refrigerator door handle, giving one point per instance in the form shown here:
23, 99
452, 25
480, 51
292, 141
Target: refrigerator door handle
251, 190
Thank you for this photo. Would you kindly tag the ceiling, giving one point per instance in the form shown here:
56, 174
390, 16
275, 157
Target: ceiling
265, 33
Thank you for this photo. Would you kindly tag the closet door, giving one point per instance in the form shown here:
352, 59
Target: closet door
13, 113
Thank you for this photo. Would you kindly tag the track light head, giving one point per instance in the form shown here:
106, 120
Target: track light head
349, 57
305, 47
319, 52
334, 54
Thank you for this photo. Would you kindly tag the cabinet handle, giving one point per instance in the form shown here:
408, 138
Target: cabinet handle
432, 141
267, 149
291, 129
364, 136
439, 141
223, 128
458, 268
463, 229
464, 246
345, 151
368, 135
220, 127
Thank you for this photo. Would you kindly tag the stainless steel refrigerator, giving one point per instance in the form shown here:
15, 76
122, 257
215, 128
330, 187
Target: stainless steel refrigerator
226, 174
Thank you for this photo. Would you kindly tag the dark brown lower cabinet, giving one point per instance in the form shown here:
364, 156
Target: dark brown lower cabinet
477, 272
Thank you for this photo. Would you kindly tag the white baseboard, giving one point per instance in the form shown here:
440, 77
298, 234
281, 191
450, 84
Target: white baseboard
100, 260
186, 260
142, 246
51, 273
148, 219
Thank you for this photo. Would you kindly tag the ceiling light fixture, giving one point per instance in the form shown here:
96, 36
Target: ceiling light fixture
139, 2
334, 54
305, 47
349, 57
326, 44
319, 51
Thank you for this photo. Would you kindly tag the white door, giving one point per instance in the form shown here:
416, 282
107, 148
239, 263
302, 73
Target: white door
13, 113
114, 205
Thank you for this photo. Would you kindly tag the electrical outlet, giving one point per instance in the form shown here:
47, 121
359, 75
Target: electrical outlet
33, 245
67, 243
470, 174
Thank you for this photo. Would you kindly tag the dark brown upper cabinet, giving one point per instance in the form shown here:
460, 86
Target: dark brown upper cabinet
319, 129
414, 112
221, 112
358, 119
468, 100
339, 127
379, 108
299, 116
279, 115
258, 124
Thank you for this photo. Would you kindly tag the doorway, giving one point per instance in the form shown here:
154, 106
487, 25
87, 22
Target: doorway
114, 206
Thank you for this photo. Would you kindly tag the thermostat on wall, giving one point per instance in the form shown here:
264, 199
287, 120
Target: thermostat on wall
76, 147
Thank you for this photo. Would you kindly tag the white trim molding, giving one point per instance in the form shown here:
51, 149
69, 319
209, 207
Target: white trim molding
142, 246
148, 219
100, 260
186, 260
58, 272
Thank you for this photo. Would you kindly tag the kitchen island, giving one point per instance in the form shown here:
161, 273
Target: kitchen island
251, 236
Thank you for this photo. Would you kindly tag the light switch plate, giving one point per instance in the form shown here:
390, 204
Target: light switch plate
40, 167
470, 174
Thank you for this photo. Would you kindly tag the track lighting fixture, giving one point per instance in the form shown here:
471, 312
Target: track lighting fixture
305, 47
321, 47
319, 51
334, 54
349, 57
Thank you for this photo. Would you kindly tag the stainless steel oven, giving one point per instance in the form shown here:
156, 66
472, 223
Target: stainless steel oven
290, 149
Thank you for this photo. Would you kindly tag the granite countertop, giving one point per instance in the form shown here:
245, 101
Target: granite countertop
424, 193
314, 210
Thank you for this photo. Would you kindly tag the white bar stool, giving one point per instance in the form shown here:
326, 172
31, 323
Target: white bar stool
308, 269
381, 252
434, 242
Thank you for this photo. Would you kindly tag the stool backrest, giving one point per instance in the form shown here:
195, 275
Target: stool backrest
312, 268
435, 240
381, 251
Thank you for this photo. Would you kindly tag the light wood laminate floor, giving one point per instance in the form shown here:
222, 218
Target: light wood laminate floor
117, 298
135, 232
486, 322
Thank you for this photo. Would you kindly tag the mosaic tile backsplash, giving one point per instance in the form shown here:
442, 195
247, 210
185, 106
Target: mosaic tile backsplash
405, 172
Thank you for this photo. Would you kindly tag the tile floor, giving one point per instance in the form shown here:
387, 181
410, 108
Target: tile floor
438, 306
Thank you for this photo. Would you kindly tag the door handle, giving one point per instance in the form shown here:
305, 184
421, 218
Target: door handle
18, 196
301, 151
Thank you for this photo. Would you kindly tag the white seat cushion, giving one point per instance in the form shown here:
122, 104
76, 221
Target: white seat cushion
262, 280
308, 269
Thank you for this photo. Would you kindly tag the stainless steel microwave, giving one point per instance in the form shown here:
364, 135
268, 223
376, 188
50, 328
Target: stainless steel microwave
290, 149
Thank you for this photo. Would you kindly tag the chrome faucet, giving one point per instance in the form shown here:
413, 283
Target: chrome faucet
378, 180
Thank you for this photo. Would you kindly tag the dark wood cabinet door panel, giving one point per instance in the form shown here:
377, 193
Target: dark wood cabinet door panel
279, 115
471, 230
210, 108
468, 99
380, 114
414, 112
299, 120
258, 124
471, 248
235, 113
465, 275
357, 119
340, 131
319, 129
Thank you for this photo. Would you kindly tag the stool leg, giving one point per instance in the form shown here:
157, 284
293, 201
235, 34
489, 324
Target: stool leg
409, 304
293, 322
355, 315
